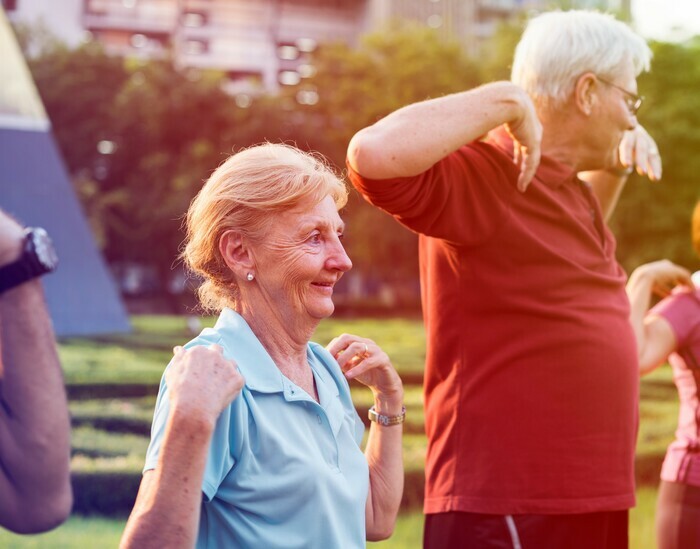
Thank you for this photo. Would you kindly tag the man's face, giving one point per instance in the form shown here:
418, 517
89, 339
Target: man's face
613, 115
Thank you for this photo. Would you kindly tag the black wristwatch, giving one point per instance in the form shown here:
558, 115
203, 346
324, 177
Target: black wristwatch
38, 258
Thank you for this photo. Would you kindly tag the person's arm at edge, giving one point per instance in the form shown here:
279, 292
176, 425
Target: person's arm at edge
656, 339
637, 151
34, 420
410, 140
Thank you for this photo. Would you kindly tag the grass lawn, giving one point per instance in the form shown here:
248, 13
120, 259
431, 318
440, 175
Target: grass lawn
76, 533
97, 533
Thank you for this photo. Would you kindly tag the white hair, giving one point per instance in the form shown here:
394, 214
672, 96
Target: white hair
557, 47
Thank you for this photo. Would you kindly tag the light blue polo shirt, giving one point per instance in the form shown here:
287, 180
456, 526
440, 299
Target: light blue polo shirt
283, 470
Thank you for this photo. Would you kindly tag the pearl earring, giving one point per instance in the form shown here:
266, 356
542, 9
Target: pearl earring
250, 277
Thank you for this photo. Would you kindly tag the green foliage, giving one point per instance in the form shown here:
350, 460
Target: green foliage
642, 517
133, 408
91, 444
170, 129
498, 51
652, 220
85, 361
391, 68
402, 339
98, 533
110, 493
76, 533
357, 86
79, 88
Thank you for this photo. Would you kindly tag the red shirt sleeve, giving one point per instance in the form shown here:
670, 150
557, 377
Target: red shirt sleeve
463, 198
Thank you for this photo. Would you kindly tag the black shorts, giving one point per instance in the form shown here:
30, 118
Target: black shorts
605, 530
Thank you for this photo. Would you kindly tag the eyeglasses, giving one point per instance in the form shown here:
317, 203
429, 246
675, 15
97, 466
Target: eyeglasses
632, 100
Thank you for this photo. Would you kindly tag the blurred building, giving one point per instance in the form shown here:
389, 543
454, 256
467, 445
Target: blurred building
472, 21
261, 44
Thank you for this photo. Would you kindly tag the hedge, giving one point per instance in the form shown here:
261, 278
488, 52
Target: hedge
113, 494
87, 391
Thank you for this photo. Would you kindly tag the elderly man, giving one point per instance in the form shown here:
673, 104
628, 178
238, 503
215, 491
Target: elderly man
35, 490
531, 374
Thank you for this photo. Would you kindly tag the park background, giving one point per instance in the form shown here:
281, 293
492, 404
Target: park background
139, 136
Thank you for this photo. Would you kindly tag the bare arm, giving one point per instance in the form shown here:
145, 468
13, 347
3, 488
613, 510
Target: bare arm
410, 140
655, 338
637, 151
363, 360
201, 384
34, 422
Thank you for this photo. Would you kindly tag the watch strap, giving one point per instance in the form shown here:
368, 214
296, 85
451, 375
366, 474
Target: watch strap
27, 266
386, 420
15, 274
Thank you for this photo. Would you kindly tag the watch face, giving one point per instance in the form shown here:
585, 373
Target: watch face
44, 249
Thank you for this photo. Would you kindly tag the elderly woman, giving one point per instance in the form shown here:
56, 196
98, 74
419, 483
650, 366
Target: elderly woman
255, 440
671, 331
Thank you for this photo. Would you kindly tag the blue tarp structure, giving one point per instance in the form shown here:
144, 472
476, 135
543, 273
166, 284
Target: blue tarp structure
34, 187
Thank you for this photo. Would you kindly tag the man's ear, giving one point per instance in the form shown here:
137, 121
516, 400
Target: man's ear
585, 93
236, 253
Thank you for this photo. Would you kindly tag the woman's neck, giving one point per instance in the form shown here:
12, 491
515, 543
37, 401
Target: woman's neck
285, 340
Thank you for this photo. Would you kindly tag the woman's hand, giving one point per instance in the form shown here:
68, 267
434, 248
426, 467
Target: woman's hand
362, 359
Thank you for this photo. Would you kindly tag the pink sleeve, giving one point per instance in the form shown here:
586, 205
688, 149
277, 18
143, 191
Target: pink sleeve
682, 311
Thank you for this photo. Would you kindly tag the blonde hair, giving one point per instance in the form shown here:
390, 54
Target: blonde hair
243, 194
695, 228
559, 46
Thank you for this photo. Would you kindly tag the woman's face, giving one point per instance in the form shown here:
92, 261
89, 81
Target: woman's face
301, 259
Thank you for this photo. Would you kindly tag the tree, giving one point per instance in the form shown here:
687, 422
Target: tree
138, 140
652, 219
356, 87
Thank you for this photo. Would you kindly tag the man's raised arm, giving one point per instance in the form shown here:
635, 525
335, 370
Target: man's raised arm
410, 140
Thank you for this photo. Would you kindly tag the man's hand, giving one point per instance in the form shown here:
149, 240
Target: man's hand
202, 382
526, 131
639, 151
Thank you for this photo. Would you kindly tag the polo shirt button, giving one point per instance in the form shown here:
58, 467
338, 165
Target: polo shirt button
318, 418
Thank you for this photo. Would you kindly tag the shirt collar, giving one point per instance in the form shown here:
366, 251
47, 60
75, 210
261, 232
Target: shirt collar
255, 364
551, 172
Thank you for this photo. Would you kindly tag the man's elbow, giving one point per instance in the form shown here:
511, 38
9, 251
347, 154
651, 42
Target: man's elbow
365, 157
34, 515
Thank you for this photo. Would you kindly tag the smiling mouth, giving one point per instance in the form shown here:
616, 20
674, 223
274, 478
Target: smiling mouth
328, 285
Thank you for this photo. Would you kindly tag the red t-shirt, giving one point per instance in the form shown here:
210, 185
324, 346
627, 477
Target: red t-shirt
531, 378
